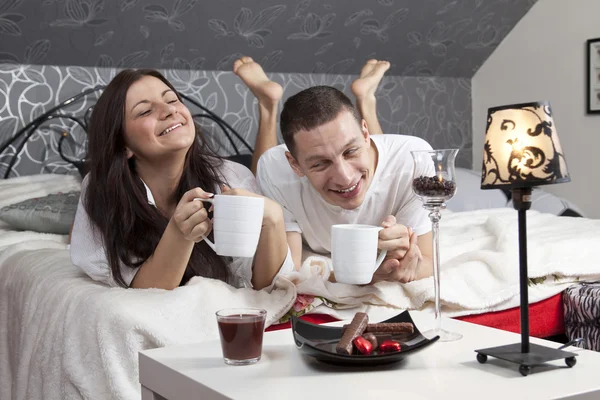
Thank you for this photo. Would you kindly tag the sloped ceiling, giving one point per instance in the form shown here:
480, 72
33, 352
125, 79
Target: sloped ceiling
419, 37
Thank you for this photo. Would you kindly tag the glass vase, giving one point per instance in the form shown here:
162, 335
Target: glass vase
434, 183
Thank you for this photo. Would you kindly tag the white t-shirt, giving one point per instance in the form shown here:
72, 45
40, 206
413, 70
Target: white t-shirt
87, 247
390, 193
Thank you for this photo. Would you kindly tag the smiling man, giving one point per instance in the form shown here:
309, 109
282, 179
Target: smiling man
332, 171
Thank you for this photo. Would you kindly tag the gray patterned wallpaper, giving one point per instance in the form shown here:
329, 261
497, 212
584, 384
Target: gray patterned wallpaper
435, 108
449, 38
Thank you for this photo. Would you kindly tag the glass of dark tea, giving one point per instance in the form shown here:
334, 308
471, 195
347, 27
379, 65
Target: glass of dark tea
241, 331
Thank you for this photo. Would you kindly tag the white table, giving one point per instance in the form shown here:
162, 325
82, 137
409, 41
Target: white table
442, 371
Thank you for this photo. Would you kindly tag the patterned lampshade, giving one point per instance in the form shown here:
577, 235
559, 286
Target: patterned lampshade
522, 148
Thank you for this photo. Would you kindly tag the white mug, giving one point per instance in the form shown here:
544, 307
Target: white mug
354, 252
237, 222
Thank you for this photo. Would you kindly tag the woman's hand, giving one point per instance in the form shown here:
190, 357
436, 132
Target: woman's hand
190, 216
272, 211
272, 246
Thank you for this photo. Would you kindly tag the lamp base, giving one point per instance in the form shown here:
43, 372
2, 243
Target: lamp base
537, 355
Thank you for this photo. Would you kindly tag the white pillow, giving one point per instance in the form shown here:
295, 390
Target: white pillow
545, 202
469, 195
15, 190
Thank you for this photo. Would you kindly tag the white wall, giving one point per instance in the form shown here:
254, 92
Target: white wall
544, 58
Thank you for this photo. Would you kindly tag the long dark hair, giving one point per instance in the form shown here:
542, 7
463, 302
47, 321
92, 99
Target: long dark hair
116, 199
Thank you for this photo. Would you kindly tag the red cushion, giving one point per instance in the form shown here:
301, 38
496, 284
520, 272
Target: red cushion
313, 318
546, 319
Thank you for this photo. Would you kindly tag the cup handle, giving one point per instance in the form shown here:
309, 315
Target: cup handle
381, 256
207, 240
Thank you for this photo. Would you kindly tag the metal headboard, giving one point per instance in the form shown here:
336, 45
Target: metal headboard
58, 112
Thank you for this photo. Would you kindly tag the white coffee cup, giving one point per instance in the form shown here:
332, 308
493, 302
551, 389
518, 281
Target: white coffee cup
354, 252
237, 222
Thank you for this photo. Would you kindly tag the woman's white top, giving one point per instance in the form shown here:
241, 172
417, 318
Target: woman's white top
87, 245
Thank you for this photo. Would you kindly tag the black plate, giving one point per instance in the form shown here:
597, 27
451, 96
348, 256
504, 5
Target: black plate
319, 341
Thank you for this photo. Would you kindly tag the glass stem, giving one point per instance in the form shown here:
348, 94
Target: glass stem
435, 217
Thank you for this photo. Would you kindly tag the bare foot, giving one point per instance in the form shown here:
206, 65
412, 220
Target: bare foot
369, 79
266, 91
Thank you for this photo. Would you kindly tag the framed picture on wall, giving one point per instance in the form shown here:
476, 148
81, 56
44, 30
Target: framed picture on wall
593, 76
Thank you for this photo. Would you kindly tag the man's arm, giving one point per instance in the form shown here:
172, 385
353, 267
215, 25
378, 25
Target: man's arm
409, 256
425, 265
294, 240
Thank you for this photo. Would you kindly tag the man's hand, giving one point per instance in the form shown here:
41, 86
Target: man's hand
395, 238
402, 260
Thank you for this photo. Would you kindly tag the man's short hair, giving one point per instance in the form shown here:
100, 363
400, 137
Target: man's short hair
311, 108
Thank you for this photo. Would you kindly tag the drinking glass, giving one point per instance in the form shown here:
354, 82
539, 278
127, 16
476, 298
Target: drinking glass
434, 183
241, 331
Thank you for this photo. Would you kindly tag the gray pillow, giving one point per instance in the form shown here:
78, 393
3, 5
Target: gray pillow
549, 203
469, 195
50, 214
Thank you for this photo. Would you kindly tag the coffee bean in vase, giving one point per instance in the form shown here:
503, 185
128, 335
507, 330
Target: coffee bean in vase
434, 186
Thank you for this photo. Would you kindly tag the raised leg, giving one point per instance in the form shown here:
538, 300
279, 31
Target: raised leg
364, 90
268, 94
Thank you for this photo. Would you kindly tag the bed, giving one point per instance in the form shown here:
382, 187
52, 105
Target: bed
64, 336
546, 316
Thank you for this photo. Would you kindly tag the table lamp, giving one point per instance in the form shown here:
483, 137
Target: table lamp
521, 151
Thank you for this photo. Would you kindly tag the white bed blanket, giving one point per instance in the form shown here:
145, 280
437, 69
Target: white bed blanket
63, 336
480, 268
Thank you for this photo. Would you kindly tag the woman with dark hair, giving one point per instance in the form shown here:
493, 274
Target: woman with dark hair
137, 223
